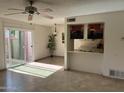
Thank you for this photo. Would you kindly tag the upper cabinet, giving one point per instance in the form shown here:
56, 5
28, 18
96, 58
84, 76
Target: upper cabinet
95, 30
91, 31
76, 31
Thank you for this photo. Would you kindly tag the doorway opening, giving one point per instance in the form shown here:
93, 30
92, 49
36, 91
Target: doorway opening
18, 46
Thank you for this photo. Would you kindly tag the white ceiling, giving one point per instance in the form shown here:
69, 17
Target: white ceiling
62, 9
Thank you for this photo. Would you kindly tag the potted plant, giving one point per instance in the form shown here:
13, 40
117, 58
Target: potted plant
51, 44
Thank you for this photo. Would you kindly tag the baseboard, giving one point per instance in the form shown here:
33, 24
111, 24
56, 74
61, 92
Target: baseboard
1, 70
58, 56
66, 69
41, 58
47, 57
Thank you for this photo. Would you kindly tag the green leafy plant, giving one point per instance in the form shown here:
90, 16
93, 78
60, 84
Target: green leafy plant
51, 44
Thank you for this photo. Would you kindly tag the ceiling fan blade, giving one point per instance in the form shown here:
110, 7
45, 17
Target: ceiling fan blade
47, 10
30, 17
15, 9
48, 16
37, 13
15, 13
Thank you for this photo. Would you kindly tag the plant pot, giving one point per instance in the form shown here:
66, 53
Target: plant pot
51, 55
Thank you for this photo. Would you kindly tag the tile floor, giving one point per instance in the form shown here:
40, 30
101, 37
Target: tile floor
59, 81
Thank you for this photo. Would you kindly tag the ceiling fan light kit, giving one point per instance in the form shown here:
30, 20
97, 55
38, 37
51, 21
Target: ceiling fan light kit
30, 17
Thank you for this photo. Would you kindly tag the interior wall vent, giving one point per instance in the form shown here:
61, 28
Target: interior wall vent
71, 20
116, 74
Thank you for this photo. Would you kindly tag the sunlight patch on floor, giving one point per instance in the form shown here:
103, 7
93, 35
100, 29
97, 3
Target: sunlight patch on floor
36, 69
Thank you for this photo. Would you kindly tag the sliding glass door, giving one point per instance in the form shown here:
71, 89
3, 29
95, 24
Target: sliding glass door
18, 45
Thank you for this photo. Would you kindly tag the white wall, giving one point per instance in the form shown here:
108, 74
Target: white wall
40, 41
113, 43
60, 47
39, 32
86, 61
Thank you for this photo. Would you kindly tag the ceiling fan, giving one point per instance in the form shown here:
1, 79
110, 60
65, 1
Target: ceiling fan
31, 10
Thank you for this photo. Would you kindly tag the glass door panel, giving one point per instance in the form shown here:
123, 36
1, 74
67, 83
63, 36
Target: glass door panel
16, 48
